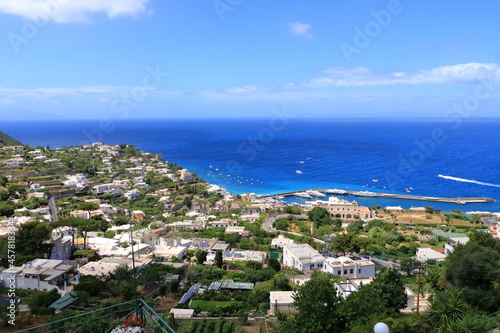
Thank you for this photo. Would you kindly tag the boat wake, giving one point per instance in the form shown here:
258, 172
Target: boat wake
463, 180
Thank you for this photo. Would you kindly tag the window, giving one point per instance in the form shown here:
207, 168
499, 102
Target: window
345, 271
338, 273
351, 271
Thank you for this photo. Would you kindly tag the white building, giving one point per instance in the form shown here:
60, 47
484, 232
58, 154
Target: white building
36, 152
394, 208
39, 274
14, 148
237, 230
341, 209
61, 248
281, 301
424, 253
302, 256
449, 246
245, 255
224, 223
280, 241
78, 180
185, 175
347, 267
83, 214
169, 252
102, 188
187, 224
132, 194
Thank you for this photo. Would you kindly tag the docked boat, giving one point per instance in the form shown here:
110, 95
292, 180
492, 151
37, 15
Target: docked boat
315, 193
365, 194
303, 195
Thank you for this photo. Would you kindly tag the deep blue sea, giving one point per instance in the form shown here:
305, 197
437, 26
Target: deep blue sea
419, 157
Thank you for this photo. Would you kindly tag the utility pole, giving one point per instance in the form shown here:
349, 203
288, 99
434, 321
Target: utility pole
418, 286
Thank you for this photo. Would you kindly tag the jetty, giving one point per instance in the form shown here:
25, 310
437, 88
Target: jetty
459, 200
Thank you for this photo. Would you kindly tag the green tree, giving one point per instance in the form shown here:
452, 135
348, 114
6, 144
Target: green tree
281, 282
281, 224
218, 259
254, 265
364, 242
39, 303
317, 303
154, 274
6, 209
384, 296
88, 206
90, 284
450, 313
355, 227
345, 243
292, 210
274, 264
4, 195
122, 273
32, 239
429, 210
319, 216
120, 220
201, 256
473, 267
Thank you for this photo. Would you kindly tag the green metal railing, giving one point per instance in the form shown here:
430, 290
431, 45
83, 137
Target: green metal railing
104, 320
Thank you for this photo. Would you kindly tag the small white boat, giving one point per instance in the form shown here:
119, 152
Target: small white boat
375, 180
315, 193
298, 171
302, 162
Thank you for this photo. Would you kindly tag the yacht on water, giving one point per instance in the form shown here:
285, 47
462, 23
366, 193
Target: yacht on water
303, 195
298, 171
315, 193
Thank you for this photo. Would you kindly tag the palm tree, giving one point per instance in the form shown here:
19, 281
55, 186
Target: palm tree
446, 307
449, 313
470, 323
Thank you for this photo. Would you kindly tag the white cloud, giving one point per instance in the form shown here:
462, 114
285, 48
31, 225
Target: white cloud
300, 29
65, 11
361, 76
243, 89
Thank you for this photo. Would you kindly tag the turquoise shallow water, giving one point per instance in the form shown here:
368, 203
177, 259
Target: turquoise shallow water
420, 157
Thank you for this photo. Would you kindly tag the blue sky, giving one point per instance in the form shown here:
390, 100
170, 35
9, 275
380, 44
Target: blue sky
240, 58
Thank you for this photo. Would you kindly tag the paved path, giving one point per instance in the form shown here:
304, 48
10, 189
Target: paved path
53, 210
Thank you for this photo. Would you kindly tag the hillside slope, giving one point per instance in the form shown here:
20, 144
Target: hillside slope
6, 140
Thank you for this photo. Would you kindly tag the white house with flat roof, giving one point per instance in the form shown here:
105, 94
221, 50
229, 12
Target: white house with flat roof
302, 256
280, 241
281, 301
424, 253
347, 267
39, 274
450, 244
